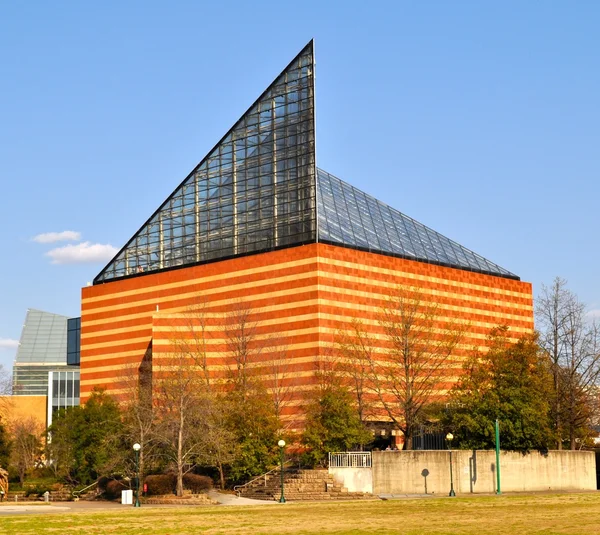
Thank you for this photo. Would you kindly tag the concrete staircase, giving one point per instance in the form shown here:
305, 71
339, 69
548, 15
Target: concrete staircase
299, 485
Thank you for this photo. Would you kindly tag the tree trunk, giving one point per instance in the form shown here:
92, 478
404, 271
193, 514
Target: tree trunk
555, 357
407, 439
221, 475
179, 490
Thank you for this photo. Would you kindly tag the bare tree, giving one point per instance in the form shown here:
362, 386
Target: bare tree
356, 350
178, 397
259, 359
194, 423
5, 382
219, 442
6, 404
194, 337
572, 343
26, 448
277, 376
140, 417
409, 374
243, 345
551, 314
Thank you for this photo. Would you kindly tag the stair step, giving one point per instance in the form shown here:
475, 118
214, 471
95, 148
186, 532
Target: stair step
300, 485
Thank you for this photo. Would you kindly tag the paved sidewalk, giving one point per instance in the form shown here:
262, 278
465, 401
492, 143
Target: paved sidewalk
385, 497
232, 499
28, 508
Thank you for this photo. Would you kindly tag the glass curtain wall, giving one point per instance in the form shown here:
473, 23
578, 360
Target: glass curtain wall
73, 341
255, 191
350, 217
259, 190
63, 391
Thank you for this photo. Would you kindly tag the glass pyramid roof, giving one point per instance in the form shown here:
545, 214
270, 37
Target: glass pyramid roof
350, 217
259, 189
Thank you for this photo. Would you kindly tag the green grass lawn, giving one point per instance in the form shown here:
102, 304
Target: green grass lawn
539, 514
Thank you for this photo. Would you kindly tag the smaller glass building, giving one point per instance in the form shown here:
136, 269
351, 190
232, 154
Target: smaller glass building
63, 391
49, 344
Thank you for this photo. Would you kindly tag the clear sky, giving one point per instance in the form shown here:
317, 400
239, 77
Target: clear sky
479, 119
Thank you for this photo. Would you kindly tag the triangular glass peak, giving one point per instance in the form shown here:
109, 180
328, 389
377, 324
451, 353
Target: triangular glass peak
255, 191
350, 217
259, 189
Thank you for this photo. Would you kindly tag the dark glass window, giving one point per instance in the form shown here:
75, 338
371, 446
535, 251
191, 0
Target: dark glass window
73, 341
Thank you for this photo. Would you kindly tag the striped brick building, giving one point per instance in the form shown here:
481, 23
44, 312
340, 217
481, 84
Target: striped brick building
258, 227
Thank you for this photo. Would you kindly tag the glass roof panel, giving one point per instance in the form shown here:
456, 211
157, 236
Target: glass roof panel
254, 191
350, 217
258, 189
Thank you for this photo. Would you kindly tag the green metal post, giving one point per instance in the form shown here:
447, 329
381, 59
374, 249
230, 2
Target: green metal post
137, 478
452, 493
449, 438
282, 498
498, 490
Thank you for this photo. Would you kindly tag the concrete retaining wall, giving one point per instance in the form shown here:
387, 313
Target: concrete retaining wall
354, 479
420, 472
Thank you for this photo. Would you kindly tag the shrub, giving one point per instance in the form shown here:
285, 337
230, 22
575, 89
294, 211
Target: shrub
37, 490
113, 488
161, 484
197, 484
102, 481
13, 476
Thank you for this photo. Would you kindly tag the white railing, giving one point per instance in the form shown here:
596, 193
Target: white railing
350, 459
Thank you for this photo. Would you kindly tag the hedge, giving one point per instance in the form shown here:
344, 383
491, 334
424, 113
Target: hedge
113, 488
196, 483
161, 484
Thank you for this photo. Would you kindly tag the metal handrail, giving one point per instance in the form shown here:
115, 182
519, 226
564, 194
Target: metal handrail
350, 459
77, 493
237, 489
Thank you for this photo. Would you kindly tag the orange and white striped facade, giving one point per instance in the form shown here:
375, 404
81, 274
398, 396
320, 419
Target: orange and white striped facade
300, 298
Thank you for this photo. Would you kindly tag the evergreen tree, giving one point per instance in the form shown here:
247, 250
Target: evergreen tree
511, 383
87, 441
253, 421
332, 424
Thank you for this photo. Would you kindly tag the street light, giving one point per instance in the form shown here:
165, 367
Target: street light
449, 438
137, 448
281, 445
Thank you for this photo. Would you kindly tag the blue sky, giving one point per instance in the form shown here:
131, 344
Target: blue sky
479, 119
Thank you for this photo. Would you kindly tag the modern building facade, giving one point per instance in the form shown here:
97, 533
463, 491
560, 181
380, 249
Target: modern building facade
258, 226
45, 342
46, 365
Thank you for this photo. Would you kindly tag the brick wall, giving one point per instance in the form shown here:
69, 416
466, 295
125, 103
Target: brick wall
300, 299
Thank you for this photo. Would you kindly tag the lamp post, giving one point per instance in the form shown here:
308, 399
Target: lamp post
281, 445
498, 490
137, 448
449, 438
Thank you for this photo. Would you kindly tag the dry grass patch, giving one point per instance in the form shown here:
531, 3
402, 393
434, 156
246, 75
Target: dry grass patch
566, 514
